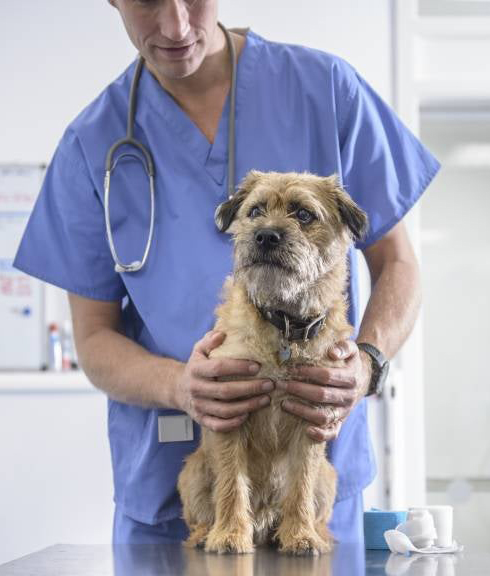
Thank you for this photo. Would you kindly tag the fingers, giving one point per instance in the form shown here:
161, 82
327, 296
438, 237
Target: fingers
343, 377
222, 425
326, 423
322, 416
205, 367
230, 390
226, 416
224, 367
230, 410
210, 340
213, 403
216, 405
324, 434
322, 428
342, 350
316, 393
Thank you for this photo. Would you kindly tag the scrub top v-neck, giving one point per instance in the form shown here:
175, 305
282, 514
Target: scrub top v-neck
211, 156
297, 109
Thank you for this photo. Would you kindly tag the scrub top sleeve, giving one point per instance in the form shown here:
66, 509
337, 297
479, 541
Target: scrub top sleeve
65, 241
385, 168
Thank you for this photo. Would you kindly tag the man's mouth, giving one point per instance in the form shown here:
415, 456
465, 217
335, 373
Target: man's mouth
177, 51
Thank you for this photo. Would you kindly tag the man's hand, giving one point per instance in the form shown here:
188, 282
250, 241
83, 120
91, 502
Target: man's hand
338, 389
219, 405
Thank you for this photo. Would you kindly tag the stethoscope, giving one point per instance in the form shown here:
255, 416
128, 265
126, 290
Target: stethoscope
147, 159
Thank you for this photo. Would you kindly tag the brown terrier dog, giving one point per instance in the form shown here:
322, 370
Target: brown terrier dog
285, 305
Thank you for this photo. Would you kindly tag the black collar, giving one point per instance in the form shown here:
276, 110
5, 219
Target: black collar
294, 328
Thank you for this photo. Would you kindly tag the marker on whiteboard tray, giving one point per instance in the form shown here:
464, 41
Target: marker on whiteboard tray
69, 361
55, 350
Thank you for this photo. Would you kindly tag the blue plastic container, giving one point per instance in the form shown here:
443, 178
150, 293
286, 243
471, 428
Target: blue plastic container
376, 522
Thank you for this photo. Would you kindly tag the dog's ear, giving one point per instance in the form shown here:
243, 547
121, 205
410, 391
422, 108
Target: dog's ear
225, 213
352, 216
350, 213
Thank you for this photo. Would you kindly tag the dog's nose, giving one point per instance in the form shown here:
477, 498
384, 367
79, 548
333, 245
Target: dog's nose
268, 237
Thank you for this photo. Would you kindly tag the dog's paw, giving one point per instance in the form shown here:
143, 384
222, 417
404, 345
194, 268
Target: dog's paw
229, 542
305, 544
197, 537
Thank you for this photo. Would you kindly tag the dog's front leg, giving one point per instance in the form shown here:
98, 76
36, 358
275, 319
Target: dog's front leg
296, 532
233, 526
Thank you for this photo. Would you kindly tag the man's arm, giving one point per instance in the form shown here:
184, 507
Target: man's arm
129, 373
396, 292
114, 363
388, 319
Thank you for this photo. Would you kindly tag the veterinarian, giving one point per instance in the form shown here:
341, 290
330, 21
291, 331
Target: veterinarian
142, 336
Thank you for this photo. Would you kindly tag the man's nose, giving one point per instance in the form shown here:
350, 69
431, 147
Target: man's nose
174, 20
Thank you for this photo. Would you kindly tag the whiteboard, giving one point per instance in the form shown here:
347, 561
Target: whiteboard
23, 333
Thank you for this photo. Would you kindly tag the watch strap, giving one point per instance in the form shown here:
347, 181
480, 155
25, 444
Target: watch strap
380, 366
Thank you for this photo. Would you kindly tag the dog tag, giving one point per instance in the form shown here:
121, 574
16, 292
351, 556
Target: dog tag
284, 352
175, 428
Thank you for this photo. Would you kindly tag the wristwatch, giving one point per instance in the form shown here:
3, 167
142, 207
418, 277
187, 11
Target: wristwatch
380, 368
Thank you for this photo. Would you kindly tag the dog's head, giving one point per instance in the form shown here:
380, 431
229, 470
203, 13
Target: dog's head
289, 229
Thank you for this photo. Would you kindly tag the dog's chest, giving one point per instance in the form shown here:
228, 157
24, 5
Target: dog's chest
271, 429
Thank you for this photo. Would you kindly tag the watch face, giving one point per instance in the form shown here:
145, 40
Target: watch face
383, 374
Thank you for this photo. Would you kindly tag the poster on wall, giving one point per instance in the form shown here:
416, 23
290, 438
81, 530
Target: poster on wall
22, 340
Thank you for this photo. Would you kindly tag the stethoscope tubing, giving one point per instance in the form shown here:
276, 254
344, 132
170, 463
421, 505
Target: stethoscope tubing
129, 140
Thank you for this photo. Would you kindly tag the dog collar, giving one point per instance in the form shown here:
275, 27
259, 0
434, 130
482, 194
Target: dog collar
294, 328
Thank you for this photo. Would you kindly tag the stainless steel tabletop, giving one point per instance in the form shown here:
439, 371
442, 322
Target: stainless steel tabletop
175, 560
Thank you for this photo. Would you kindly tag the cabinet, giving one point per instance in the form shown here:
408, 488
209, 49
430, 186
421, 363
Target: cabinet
56, 480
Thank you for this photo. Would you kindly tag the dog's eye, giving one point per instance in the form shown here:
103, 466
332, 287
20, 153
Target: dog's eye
304, 216
254, 212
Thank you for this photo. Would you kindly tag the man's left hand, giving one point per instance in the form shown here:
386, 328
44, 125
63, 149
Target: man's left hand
337, 389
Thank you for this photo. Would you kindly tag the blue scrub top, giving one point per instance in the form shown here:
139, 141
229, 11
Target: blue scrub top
297, 109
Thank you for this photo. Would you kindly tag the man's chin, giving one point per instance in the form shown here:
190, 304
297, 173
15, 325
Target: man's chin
166, 68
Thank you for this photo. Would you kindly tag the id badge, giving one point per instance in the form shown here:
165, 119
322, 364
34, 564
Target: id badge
175, 428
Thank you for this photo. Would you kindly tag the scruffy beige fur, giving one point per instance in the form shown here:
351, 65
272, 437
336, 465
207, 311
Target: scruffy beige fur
268, 481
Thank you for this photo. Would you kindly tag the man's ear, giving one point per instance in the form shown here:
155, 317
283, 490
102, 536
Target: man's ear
225, 213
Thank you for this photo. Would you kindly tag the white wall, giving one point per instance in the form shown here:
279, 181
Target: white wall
55, 57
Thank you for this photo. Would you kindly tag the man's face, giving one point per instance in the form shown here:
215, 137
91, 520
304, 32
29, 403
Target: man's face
173, 36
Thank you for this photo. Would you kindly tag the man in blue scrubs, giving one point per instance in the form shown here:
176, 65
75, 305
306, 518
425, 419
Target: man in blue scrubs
143, 337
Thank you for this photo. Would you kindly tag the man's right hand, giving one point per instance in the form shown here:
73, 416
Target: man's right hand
219, 405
